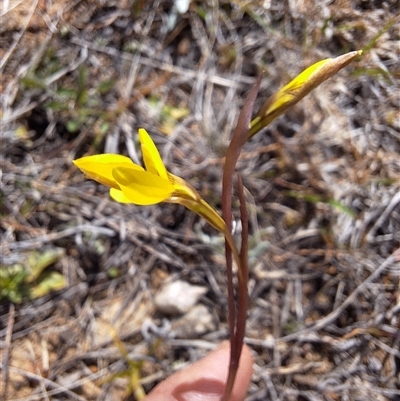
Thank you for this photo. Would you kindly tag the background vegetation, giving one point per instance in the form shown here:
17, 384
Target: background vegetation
79, 273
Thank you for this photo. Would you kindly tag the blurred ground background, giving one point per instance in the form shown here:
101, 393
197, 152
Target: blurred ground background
80, 273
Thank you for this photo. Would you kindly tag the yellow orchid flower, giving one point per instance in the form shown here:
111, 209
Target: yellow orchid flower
131, 183
295, 90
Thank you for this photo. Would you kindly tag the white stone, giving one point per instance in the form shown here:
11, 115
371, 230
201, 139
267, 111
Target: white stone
196, 322
178, 297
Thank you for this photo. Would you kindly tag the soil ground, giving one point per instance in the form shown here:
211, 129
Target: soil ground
80, 272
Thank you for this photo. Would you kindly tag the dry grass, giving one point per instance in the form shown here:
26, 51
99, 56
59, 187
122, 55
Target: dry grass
323, 186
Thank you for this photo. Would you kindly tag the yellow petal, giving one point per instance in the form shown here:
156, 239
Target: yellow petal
151, 158
142, 187
118, 196
100, 167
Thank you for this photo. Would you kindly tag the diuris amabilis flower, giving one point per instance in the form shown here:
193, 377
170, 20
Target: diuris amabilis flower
295, 90
131, 183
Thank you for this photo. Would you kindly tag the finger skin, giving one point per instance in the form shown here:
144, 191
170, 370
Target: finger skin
205, 379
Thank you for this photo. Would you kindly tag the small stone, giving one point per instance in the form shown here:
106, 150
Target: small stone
178, 297
196, 322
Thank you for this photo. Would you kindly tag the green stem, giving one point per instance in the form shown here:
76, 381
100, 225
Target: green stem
208, 213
